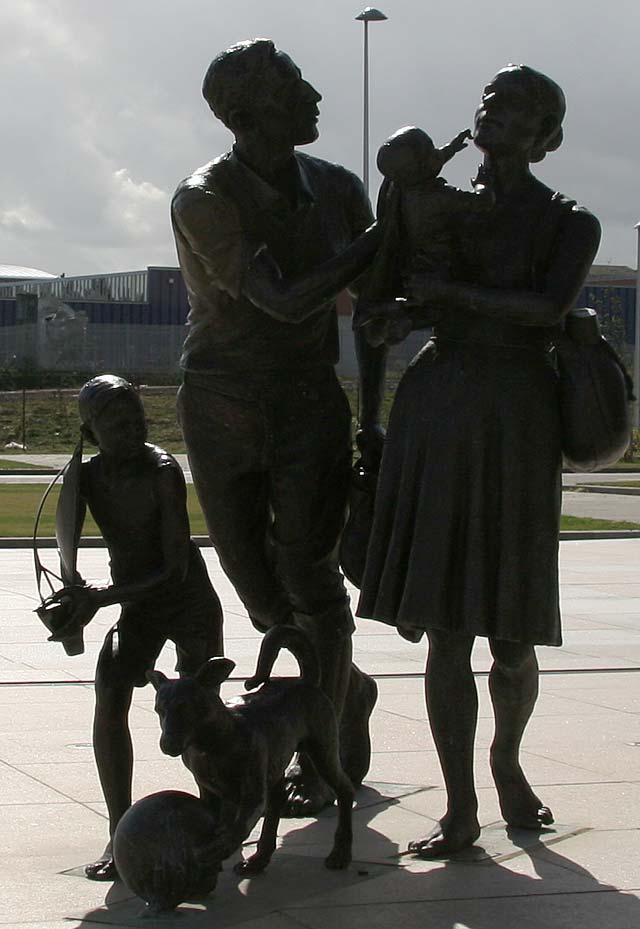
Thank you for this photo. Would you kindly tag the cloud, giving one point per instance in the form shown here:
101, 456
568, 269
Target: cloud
25, 219
136, 209
102, 113
31, 26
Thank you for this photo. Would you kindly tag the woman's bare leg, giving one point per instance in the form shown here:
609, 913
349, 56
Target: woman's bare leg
452, 707
513, 684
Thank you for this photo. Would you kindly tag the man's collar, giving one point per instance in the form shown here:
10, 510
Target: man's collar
261, 192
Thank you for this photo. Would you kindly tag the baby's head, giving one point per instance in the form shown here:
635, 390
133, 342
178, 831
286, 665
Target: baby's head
409, 156
112, 415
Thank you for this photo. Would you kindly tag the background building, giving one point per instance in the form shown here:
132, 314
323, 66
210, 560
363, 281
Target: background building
132, 322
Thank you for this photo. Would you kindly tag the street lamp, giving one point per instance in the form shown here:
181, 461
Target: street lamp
636, 351
368, 15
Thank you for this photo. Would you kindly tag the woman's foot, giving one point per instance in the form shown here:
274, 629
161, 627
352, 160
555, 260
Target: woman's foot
451, 835
520, 806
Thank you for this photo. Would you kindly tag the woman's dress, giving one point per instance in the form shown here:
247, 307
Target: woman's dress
465, 533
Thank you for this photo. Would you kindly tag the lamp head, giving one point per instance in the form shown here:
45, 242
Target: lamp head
371, 15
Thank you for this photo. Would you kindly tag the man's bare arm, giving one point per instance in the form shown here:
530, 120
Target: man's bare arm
293, 300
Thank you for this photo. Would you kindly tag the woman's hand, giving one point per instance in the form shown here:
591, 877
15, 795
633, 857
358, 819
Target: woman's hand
386, 309
423, 288
389, 321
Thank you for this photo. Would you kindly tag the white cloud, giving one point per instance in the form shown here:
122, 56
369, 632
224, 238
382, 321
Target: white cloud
102, 113
139, 209
31, 26
24, 218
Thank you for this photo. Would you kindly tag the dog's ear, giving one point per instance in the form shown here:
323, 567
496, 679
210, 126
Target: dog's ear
215, 671
156, 678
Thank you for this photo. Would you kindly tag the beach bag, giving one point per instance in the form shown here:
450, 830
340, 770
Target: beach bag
594, 386
595, 390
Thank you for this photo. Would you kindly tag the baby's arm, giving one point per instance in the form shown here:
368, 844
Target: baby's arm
478, 200
455, 145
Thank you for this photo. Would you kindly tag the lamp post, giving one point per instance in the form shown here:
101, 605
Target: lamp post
636, 351
368, 15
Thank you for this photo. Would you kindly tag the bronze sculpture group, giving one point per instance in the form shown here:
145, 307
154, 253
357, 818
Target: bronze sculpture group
464, 540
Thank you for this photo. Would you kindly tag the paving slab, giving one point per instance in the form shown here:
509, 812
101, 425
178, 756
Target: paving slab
291, 879
526, 910
602, 506
581, 752
599, 588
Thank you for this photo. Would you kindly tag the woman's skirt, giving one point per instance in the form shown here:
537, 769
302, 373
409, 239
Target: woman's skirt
466, 526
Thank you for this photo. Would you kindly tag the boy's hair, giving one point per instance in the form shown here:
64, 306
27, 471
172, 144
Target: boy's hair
99, 391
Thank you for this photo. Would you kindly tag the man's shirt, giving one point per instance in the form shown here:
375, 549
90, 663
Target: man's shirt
221, 215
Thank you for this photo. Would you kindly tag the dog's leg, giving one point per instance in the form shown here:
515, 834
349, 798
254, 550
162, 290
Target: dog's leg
267, 841
323, 750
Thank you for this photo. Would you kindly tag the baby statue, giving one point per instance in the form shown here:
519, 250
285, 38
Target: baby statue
428, 205
420, 212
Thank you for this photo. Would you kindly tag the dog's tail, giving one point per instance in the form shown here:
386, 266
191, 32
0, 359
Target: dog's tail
294, 640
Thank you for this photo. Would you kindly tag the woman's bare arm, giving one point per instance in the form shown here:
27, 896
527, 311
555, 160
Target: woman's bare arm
574, 249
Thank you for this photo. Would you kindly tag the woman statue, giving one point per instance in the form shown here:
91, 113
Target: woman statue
466, 527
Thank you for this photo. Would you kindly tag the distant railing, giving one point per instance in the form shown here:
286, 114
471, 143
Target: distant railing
119, 287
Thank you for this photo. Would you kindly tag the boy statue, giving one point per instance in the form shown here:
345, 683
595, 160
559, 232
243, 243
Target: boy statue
136, 493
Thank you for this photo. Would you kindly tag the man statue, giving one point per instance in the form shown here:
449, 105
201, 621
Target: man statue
266, 238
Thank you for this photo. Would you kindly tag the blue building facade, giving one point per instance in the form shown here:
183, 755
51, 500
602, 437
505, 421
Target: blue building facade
133, 321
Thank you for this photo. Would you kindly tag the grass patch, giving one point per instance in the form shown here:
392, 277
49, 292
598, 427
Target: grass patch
633, 465
584, 523
19, 502
52, 424
613, 484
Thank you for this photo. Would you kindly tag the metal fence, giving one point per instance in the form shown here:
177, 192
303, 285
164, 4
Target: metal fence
47, 420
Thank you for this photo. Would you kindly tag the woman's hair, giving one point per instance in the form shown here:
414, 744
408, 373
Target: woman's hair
235, 78
549, 99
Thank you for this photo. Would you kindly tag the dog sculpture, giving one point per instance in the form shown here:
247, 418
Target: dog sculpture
238, 751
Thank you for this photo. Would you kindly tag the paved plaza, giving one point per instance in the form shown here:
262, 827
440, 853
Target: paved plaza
581, 752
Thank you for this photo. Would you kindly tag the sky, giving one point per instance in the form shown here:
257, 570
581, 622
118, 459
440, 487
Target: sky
102, 113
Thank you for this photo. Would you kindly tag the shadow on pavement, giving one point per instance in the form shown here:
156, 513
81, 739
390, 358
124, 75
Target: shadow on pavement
472, 892
296, 873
